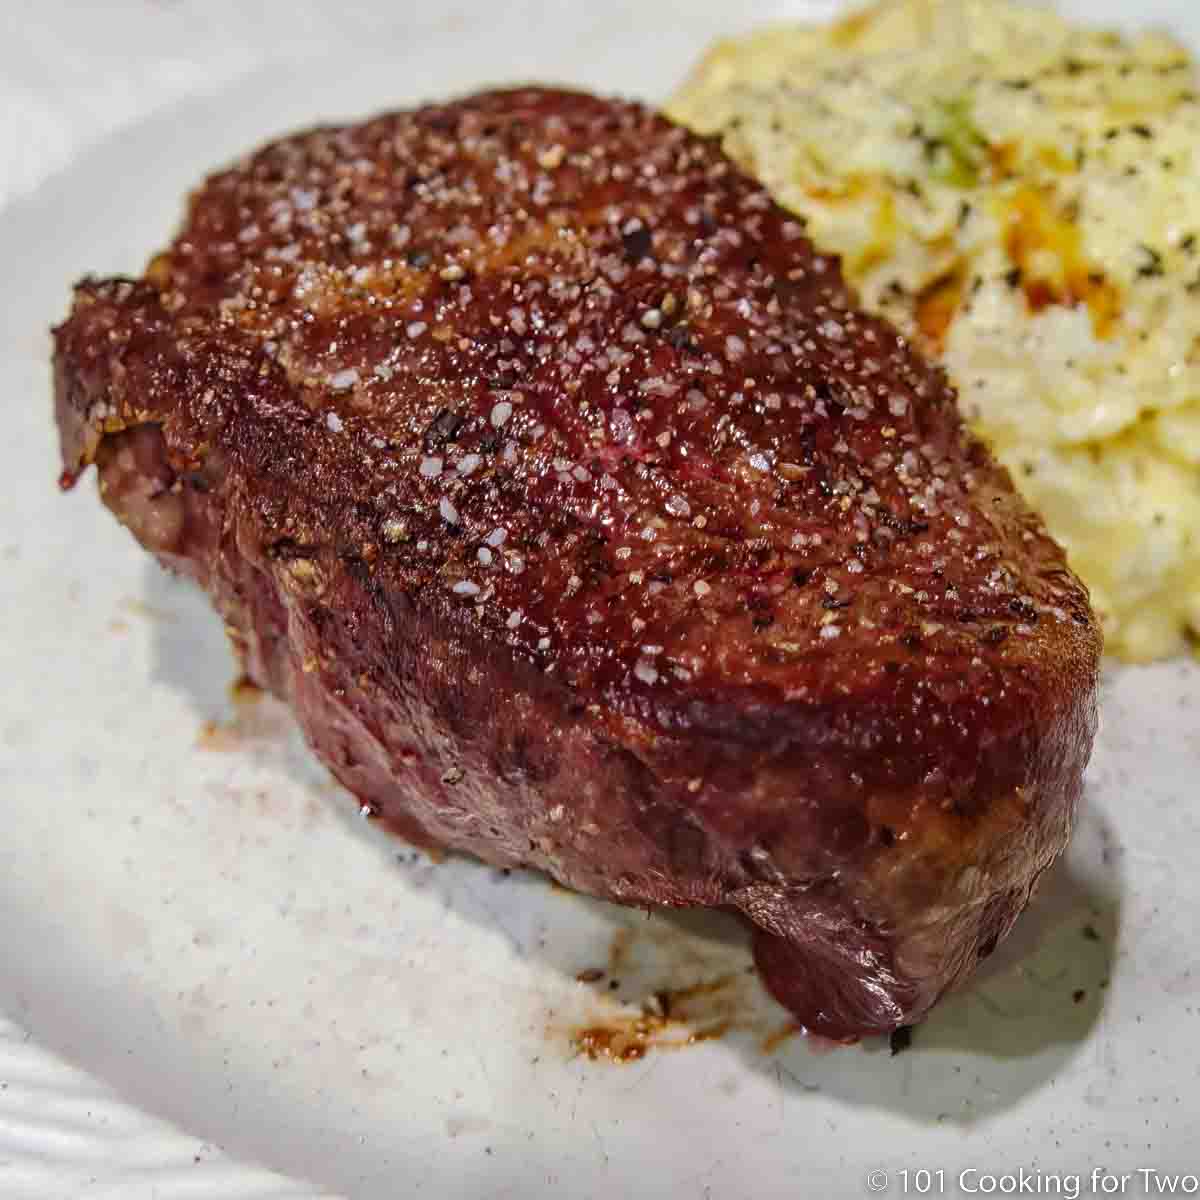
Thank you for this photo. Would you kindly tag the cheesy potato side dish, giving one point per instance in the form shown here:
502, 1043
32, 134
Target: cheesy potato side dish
1022, 196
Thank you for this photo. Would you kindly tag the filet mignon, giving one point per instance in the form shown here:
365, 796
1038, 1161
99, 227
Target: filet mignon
536, 458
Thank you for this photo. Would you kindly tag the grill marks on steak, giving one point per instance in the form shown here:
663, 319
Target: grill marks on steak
545, 468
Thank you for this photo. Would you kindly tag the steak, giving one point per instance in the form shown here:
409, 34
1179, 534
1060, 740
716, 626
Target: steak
533, 455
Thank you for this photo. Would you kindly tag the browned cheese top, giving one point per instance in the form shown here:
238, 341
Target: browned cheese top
560, 372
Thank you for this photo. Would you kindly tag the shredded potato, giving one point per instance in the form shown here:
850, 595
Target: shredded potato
1022, 197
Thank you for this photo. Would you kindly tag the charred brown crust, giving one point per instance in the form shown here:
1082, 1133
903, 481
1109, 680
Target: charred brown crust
538, 460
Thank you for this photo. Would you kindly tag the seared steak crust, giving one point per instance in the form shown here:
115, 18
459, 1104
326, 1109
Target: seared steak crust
535, 457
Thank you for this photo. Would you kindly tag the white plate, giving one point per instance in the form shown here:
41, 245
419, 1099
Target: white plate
200, 922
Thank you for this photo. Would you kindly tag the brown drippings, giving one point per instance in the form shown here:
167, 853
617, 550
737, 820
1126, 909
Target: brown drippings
668, 982
628, 1040
670, 1018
